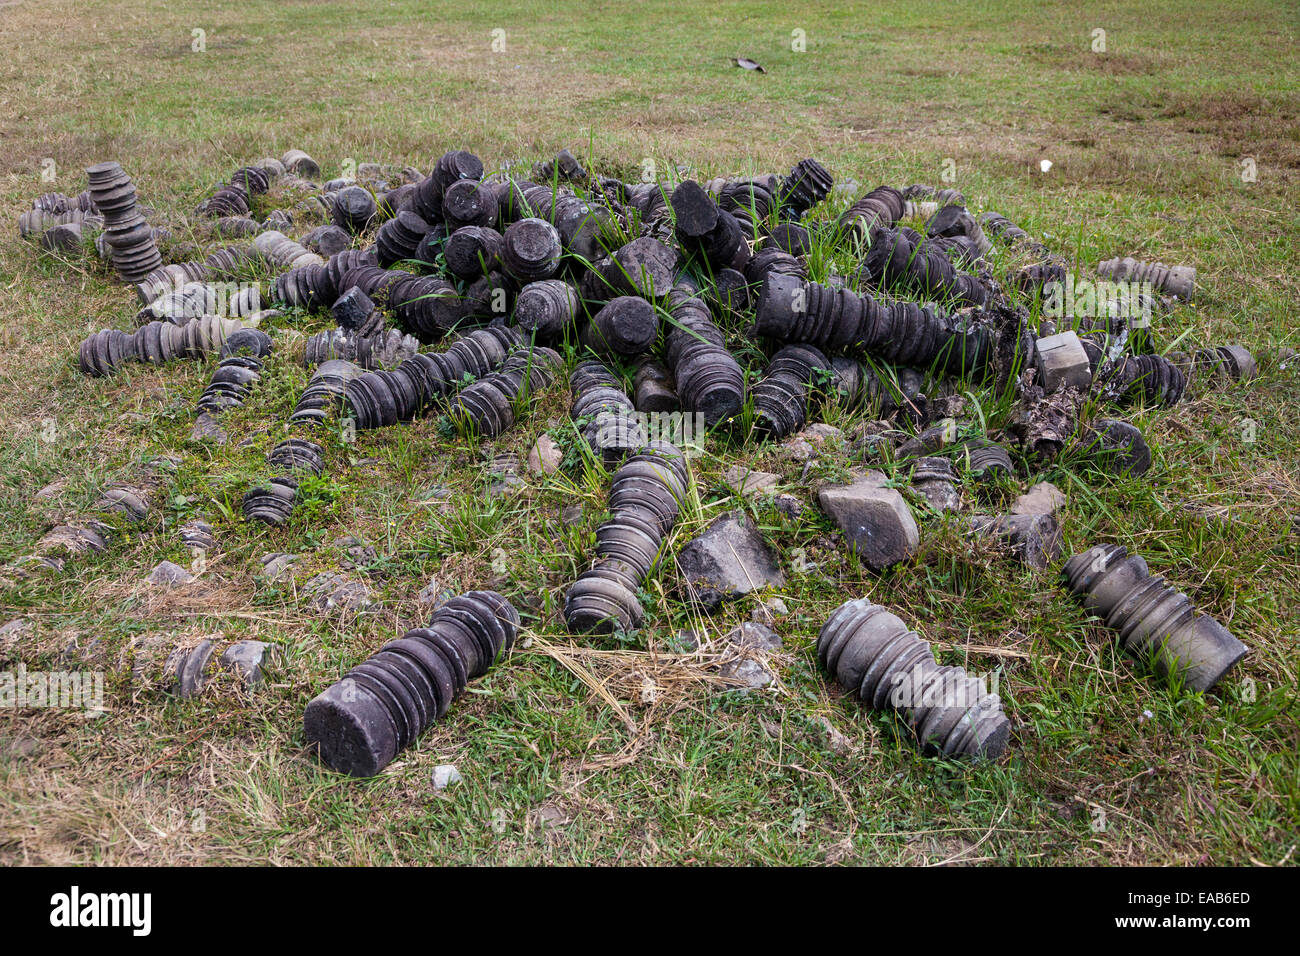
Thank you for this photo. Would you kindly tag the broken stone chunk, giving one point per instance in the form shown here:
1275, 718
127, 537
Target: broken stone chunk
750, 483
207, 428
545, 456
875, 520
435, 594
250, 660
1043, 498
687, 640
74, 539
330, 591
727, 561
751, 634
358, 555
276, 565
766, 610
808, 442
168, 574
935, 479
750, 674
352, 310
505, 469
1032, 539
788, 505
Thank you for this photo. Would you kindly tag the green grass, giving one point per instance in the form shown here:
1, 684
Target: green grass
1146, 142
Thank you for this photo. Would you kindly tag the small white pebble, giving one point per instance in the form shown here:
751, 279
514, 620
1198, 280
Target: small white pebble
444, 775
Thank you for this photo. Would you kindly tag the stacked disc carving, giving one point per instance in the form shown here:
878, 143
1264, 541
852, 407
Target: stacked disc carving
906, 258
427, 198
273, 502
354, 209
807, 185
426, 306
704, 229
605, 416
473, 251
278, 249
709, 379
381, 398
232, 381
531, 249
986, 460
878, 209
399, 238
644, 502
380, 707
1152, 379
879, 660
791, 309
468, 202
324, 391
383, 349
547, 308
1154, 621
135, 253
1117, 447
488, 405
625, 325
1178, 281
886, 391
156, 342
781, 395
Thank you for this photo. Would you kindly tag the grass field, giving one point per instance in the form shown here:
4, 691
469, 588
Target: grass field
564, 758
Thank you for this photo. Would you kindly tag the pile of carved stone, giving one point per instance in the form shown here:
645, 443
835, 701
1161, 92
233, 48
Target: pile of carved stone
459, 292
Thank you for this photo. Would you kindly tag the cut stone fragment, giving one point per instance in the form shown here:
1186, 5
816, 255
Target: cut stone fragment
746, 675
352, 309
277, 564
875, 520
330, 591
1063, 363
